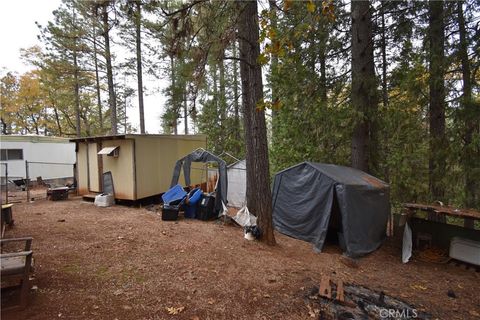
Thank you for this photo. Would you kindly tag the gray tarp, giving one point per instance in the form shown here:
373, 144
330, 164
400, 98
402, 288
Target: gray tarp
306, 195
201, 155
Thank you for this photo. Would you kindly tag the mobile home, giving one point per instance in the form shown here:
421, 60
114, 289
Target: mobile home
50, 157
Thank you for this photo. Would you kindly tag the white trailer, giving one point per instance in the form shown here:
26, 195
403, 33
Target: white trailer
48, 157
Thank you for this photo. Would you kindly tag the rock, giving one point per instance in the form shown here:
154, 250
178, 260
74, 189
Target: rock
61, 220
451, 294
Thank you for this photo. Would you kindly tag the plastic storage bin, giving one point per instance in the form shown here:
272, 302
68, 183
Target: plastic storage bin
104, 200
170, 212
191, 205
206, 209
465, 250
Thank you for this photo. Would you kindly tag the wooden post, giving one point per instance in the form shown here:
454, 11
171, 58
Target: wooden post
27, 181
6, 183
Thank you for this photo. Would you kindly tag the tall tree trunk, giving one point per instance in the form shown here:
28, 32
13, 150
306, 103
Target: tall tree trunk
322, 57
273, 69
4, 126
259, 196
174, 96
112, 100
97, 78
76, 86
222, 106
383, 48
384, 57
470, 164
57, 120
236, 97
138, 38
438, 143
185, 109
363, 84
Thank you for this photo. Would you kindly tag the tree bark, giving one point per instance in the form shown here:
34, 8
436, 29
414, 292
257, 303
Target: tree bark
470, 165
173, 93
384, 57
236, 97
273, 68
138, 38
363, 84
97, 78
222, 106
78, 129
259, 197
322, 58
438, 145
112, 100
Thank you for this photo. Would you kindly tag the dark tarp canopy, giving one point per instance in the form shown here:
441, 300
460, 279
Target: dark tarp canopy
201, 155
307, 195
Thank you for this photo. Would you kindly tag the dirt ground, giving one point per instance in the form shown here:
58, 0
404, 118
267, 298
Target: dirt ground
126, 263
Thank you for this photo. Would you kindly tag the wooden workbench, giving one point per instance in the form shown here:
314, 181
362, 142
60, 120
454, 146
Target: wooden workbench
438, 213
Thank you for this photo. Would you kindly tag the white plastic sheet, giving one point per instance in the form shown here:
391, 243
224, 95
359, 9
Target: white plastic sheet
245, 218
224, 212
407, 244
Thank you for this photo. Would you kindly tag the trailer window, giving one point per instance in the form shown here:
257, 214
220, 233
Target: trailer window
11, 154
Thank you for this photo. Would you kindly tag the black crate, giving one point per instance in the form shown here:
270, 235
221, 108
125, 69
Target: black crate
58, 194
206, 209
170, 212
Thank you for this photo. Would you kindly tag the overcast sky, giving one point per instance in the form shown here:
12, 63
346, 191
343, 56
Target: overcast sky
18, 30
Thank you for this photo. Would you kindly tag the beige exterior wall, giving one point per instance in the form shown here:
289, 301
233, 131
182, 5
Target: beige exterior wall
82, 179
93, 173
122, 168
155, 158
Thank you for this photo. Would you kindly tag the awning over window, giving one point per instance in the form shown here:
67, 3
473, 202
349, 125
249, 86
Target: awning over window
108, 150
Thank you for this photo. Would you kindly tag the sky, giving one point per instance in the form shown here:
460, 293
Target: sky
18, 30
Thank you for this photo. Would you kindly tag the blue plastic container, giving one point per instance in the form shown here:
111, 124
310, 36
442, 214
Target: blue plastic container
175, 193
194, 197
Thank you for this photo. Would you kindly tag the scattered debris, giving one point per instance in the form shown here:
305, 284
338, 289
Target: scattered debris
451, 294
118, 292
174, 310
336, 300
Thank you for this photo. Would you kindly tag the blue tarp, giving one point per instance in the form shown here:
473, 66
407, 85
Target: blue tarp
174, 194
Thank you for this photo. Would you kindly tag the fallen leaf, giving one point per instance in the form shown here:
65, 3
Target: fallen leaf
313, 313
418, 287
211, 301
174, 310
474, 313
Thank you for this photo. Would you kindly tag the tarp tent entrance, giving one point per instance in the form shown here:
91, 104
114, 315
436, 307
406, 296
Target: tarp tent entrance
201, 155
309, 198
